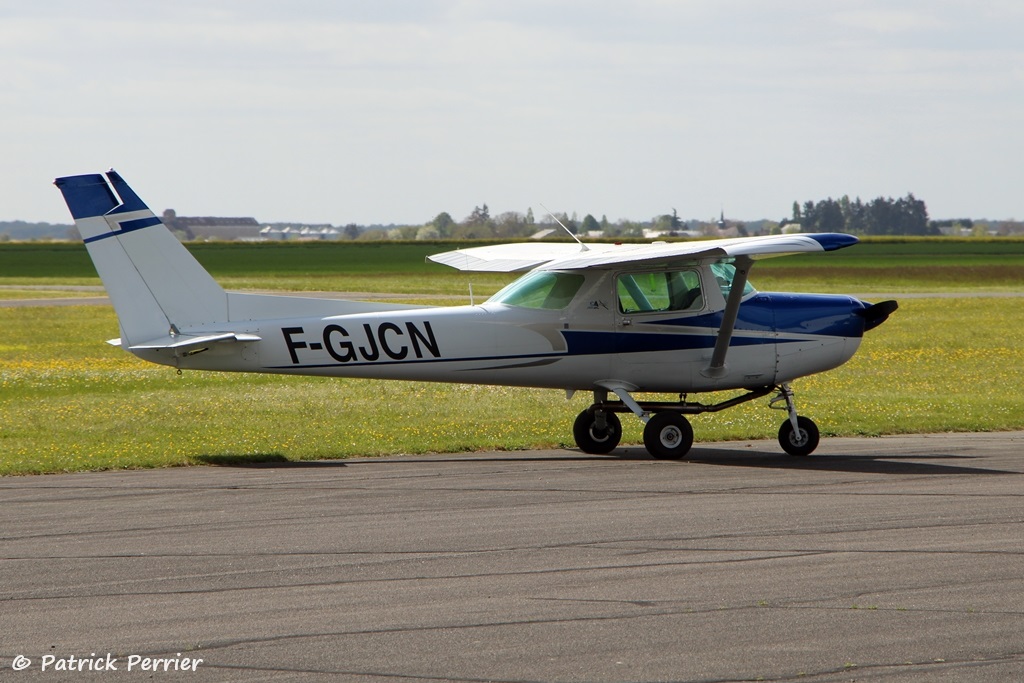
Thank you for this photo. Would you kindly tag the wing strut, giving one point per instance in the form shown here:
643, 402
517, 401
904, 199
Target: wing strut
732, 310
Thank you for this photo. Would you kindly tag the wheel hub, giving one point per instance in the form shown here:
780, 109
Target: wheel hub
671, 436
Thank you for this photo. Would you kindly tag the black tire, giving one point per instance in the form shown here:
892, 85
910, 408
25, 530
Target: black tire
668, 436
590, 439
802, 442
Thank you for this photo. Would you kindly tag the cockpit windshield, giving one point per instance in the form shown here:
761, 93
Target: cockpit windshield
545, 289
724, 273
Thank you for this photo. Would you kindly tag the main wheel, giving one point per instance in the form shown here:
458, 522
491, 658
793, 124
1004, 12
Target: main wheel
668, 436
802, 441
592, 439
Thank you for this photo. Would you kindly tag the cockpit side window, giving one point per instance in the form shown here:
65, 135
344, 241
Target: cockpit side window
543, 289
677, 290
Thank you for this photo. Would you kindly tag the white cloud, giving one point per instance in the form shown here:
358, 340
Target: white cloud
890, 21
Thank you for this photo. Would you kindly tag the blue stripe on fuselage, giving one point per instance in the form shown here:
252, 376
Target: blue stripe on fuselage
588, 342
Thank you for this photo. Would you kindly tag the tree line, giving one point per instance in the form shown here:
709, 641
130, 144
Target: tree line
882, 216
480, 224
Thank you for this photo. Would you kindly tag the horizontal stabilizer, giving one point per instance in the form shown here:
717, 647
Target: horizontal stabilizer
183, 341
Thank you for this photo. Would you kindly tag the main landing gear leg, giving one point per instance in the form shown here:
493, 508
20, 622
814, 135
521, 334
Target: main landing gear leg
798, 435
667, 433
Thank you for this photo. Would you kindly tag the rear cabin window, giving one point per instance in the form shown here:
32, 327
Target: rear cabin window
677, 290
544, 289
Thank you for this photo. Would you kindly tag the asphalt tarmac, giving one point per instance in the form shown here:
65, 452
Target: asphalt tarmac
887, 559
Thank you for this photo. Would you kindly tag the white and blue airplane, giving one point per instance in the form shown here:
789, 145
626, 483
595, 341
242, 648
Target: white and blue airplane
615, 320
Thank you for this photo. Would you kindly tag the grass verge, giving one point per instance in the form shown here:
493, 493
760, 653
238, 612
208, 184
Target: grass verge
68, 402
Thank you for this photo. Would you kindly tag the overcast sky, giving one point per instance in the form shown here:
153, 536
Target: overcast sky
386, 111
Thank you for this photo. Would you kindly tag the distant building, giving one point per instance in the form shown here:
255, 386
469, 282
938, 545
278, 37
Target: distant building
726, 228
211, 227
306, 233
276, 234
653, 233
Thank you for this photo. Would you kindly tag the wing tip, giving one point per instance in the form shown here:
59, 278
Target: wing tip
831, 241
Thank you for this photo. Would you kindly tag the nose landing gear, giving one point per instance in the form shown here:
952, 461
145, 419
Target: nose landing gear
798, 435
801, 440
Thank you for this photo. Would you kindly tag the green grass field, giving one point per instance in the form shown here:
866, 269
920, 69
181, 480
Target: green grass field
70, 402
929, 265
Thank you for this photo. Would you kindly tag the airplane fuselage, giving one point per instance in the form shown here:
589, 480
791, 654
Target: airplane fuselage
778, 337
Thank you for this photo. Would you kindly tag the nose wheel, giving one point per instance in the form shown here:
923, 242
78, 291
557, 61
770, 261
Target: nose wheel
801, 440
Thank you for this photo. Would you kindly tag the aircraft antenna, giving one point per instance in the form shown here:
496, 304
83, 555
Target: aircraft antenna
583, 247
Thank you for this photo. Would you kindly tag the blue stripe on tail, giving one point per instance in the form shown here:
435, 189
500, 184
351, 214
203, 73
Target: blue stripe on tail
129, 200
87, 195
127, 226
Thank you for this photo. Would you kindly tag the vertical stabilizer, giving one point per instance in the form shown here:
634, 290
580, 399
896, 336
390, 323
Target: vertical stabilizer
157, 287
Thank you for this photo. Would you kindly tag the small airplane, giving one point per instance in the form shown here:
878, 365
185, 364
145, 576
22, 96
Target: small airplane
612, 319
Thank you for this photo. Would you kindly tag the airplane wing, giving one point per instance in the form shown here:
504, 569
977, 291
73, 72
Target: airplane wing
509, 258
